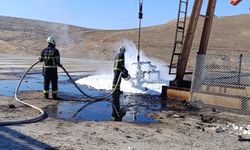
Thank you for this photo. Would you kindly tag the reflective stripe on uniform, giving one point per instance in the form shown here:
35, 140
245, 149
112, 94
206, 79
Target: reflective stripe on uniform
45, 91
117, 61
117, 69
54, 92
54, 59
50, 57
50, 66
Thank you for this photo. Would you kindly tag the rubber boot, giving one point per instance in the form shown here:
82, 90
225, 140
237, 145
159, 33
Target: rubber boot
55, 97
117, 113
46, 95
122, 113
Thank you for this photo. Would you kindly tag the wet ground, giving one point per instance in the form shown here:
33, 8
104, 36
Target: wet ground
178, 128
136, 106
136, 112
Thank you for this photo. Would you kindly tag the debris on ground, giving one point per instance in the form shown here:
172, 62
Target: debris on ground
244, 138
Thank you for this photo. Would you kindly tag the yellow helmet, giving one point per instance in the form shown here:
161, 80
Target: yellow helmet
51, 40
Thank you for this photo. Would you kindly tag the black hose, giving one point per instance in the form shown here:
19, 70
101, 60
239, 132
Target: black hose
97, 99
42, 113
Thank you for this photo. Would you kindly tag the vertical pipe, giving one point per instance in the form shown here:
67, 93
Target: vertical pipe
207, 27
239, 70
204, 41
183, 59
139, 36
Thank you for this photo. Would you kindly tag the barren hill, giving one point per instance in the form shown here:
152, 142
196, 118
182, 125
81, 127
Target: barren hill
27, 37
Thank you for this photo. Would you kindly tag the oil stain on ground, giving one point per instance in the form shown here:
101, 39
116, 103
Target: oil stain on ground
136, 106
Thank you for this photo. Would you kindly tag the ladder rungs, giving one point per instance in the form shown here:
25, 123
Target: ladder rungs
183, 12
182, 28
177, 54
179, 42
188, 73
172, 65
179, 37
184, 1
180, 31
181, 21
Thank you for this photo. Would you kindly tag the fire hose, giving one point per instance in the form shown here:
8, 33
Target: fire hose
41, 114
28, 120
96, 98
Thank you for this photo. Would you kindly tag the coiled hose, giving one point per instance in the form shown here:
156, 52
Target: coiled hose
42, 113
28, 120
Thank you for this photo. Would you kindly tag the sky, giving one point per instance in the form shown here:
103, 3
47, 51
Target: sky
108, 14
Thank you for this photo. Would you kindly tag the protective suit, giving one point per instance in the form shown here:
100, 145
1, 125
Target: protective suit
119, 67
51, 58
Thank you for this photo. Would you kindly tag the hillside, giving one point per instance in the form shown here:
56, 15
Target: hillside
28, 37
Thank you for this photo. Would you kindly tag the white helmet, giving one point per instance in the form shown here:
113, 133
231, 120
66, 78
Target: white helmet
122, 50
51, 40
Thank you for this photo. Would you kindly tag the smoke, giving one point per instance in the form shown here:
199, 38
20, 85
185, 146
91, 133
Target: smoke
67, 38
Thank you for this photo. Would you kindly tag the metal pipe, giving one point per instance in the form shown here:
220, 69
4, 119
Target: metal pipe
183, 59
207, 26
204, 42
139, 35
239, 70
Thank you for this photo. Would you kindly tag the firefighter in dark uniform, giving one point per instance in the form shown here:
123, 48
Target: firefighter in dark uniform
51, 58
119, 67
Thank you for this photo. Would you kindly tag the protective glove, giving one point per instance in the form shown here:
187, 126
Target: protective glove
125, 74
59, 65
40, 59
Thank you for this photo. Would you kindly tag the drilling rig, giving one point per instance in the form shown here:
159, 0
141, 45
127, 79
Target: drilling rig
179, 87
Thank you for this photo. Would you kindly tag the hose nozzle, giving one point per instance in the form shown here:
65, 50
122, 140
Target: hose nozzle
125, 75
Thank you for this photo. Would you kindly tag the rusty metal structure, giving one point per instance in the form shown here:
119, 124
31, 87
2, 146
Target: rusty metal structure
179, 35
183, 55
183, 59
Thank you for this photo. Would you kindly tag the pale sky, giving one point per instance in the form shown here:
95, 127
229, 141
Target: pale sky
108, 14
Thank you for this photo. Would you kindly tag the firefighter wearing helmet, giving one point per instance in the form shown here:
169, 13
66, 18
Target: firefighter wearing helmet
51, 58
119, 68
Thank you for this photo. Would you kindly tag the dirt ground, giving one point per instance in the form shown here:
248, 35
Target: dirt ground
179, 127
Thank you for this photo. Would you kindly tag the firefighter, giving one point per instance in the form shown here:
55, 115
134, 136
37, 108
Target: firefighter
119, 67
51, 58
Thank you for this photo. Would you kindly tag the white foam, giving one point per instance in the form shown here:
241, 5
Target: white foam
104, 82
147, 85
